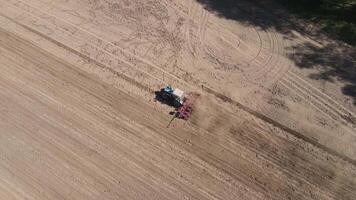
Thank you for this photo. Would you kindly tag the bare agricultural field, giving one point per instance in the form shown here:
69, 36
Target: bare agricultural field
78, 119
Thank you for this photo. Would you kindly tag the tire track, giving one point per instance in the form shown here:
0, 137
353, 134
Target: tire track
101, 43
108, 48
190, 34
260, 41
266, 64
193, 4
280, 65
203, 25
269, 58
94, 59
264, 118
315, 98
224, 177
328, 99
117, 116
254, 65
279, 125
327, 104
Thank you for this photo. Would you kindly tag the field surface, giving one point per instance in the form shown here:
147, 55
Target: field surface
79, 119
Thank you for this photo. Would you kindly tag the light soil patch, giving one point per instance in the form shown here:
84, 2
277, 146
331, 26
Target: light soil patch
78, 120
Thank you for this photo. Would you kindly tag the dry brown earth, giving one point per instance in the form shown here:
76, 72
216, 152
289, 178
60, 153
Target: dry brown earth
78, 119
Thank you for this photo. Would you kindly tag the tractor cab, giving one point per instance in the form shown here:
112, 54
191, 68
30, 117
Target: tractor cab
175, 97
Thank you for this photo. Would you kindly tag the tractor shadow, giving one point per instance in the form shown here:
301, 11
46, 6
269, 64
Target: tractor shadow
160, 98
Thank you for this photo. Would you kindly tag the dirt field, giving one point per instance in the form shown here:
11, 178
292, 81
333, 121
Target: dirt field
78, 119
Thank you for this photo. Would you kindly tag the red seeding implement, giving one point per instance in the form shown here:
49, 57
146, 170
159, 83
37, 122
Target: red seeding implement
182, 103
185, 110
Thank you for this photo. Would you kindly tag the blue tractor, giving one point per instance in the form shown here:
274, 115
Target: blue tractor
177, 98
174, 97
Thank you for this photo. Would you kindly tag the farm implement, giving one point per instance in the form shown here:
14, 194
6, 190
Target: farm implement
178, 99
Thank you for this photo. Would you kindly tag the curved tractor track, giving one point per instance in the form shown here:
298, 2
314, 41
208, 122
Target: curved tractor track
319, 100
76, 75
98, 48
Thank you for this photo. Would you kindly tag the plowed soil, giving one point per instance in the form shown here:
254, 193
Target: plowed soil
78, 119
